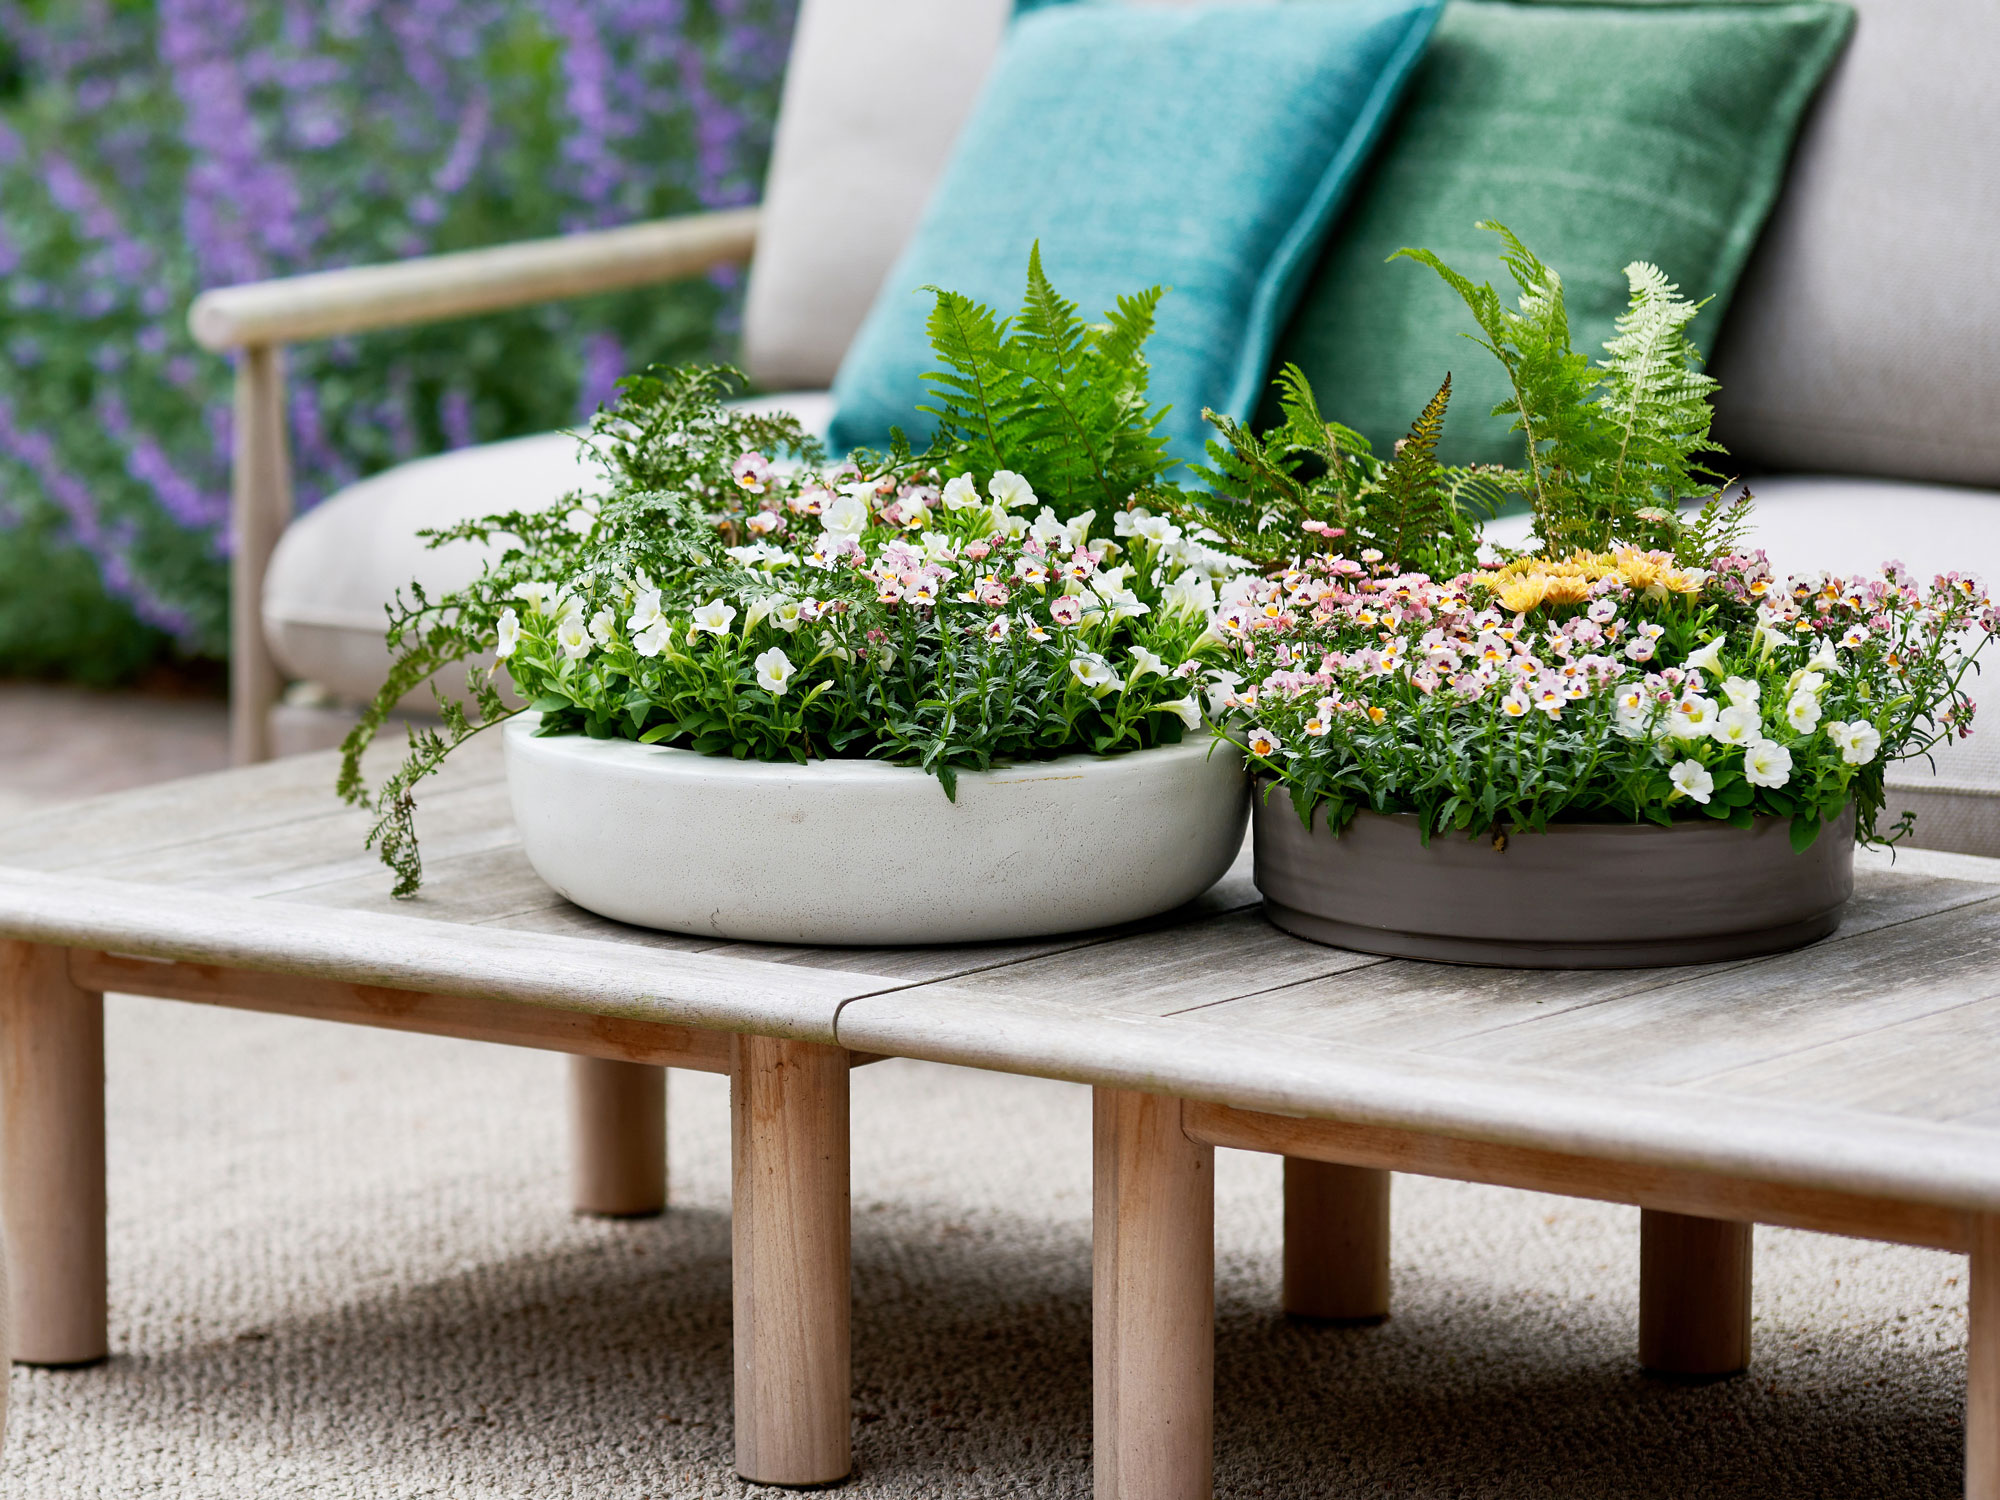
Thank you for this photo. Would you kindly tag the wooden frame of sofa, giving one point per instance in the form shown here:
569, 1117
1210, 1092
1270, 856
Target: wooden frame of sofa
257, 320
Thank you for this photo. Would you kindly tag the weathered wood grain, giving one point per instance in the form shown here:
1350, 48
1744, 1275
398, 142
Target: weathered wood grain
406, 953
1175, 969
1404, 1004
1574, 1112
1940, 1066
52, 1150
1764, 1009
619, 1039
1152, 1295
297, 788
432, 288
789, 1238
1670, 1189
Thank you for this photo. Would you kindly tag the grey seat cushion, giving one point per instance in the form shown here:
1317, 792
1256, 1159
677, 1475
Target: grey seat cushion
1865, 334
338, 566
1808, 523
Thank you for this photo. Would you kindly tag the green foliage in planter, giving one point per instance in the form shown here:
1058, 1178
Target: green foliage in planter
1047, 396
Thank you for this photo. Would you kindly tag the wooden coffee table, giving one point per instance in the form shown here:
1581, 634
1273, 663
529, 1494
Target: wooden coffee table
1853, 1087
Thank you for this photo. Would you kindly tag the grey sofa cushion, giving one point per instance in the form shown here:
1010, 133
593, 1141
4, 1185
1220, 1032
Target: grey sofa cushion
339, 565
1865, 336
875, 93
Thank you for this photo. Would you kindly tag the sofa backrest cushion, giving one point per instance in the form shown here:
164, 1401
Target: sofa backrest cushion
1204, 149
1601, 134
1865, 338
874, 96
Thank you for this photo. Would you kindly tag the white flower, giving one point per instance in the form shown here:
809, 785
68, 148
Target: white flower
1742, 692
510, 634
1857, 741
604, 627
1093, 673
1262, 742
846, 518
573, 636
1857, 635
961, 494
539, 596
714, 617
790, 615
1189, 592
1640, 649
1156, 529
1824, 659
1692, 718
1187, 708
1803, 713
1766, 764
774, 670
653, 639
1147, 664
1010, 491
1709, 657
1691, 779
937, 546
645, 612
1738, 724
759, 610
1806, 682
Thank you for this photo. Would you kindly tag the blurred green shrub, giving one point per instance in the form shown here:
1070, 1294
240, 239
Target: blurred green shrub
151, 148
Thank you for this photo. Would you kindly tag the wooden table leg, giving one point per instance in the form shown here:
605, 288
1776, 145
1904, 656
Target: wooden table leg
789, 1233
1694, 1294
1152, 1301
1336, 1241
52, 1170
618, 1137
1982, 1363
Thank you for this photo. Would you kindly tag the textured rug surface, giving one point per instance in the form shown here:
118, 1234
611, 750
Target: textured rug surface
342, 1265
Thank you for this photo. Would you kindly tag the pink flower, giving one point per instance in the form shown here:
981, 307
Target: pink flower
752, 471
1066, 610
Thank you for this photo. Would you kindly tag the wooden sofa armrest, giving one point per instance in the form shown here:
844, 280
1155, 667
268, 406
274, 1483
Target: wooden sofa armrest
433, 288
256, 321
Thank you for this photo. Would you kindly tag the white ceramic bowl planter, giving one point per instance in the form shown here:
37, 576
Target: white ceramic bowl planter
858, 851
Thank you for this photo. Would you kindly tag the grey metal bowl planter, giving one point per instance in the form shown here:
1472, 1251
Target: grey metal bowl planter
1580, 896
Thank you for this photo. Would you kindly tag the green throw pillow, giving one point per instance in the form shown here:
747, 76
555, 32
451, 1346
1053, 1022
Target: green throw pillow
1601, 134
1206, 147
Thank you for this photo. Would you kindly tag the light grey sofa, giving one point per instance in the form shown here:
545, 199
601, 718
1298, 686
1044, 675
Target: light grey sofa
1860, 364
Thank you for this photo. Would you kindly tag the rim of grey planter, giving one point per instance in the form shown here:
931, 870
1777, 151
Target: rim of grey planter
863, 852
1580, 896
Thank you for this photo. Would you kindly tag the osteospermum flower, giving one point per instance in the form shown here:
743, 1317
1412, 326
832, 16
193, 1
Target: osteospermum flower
1691, 779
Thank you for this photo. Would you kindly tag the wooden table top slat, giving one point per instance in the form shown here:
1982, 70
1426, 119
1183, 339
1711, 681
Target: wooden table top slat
1866, 1059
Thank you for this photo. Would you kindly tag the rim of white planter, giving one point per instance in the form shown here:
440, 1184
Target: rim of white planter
857, 852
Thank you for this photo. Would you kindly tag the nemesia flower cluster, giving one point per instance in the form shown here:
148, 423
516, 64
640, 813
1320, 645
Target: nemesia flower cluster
1599, 686
846, 613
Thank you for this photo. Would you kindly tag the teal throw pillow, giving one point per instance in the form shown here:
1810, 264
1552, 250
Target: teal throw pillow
1206, 148
1601, 134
